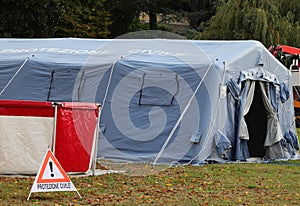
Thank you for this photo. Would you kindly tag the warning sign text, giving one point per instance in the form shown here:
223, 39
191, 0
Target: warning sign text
54, 186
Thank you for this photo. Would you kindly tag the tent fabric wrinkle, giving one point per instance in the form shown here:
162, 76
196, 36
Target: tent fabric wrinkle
234, 89
223, 145
273, 94
274, 133
245, 106
259, 61
278, 151
292, 139
196, 137
284, 92
258, 74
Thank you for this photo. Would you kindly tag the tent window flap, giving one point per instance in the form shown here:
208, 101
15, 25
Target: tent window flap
158, 89
60, 83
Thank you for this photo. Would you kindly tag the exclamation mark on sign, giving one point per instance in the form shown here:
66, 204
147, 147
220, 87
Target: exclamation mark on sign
51, 169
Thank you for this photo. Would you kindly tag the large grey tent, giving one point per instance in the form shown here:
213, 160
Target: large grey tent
162, 100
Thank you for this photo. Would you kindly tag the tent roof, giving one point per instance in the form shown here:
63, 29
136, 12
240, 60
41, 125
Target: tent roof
77, 50
76, 53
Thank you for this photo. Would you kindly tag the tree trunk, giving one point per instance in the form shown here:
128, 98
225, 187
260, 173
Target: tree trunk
152, 20
198, 7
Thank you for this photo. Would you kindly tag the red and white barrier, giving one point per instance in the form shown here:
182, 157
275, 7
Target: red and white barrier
29, 128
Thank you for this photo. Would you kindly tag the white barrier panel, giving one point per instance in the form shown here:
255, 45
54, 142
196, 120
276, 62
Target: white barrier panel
26, 133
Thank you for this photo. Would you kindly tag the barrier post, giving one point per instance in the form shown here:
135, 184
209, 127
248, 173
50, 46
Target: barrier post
54, 127
96, 136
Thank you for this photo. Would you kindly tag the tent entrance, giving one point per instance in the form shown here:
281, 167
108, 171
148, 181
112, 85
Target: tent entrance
256, 121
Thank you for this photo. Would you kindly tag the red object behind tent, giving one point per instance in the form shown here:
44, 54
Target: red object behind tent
75, 130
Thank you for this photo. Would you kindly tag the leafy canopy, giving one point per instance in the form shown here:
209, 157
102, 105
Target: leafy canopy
269, 21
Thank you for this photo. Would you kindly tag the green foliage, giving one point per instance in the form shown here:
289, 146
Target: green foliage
86, 19
125, 13
124, 16
269, 21
53, 18
263, 20
200, 11
29, 18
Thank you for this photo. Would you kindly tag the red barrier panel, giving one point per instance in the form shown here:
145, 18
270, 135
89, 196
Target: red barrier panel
75, 130
26, 108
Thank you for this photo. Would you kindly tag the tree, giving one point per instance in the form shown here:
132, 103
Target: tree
201, 11
53, 18
123, 15
29, 18
155, 7
84, 18
290, 10
253, 19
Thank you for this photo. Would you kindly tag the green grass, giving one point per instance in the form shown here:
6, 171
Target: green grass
216, 184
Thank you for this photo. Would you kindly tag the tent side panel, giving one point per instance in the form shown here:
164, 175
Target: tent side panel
75, 131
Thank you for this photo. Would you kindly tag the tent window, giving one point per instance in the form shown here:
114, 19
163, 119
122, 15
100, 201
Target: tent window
158, 89
61, 85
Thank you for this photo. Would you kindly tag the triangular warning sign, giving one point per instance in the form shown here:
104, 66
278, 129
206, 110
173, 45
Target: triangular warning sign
51, 170
51, 177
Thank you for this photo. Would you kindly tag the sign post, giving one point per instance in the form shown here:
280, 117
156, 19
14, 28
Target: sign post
51, 177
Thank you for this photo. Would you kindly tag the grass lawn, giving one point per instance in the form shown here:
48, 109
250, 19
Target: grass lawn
213, 184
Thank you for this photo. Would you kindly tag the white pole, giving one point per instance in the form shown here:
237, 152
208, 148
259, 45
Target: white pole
96, 136
79, 194
99, 116
180, 118
14, 76
212, 123
29, 196
54, 127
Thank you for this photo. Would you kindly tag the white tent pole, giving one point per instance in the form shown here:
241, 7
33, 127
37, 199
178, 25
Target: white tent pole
98, 121
213, 118
96, 136
108, 83
54, 127
181, 116
14, 76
